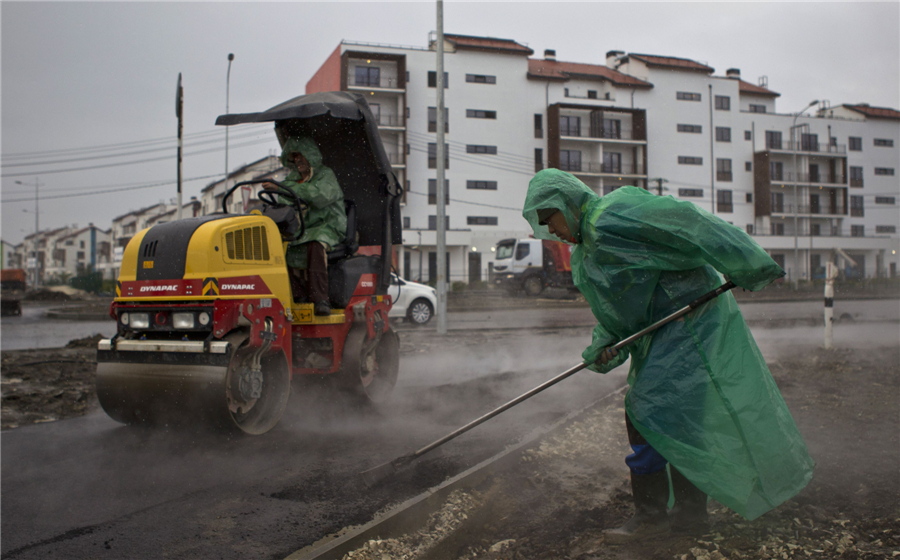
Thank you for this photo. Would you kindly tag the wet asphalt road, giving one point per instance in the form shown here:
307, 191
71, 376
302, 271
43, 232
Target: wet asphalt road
90, 488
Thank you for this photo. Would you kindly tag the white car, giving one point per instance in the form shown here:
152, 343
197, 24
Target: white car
413, 301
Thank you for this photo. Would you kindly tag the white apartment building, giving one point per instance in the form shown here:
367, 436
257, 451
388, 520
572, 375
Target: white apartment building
34, 253
663, 123
211, 195
73, 252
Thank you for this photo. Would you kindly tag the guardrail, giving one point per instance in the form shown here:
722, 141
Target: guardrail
593, 167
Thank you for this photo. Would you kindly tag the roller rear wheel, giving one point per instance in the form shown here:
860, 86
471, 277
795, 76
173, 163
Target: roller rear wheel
370, 368
252, 414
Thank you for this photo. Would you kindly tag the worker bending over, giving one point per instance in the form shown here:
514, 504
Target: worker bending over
701, 398
325, 218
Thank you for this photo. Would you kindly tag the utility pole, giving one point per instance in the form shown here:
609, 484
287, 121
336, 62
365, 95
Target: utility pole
227, 94
440, 189
659, 185
179, 104
37, 228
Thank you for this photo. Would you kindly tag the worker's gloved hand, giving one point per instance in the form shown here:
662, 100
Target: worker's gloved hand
608, 354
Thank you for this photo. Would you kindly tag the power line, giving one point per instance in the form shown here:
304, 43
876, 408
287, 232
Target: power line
153, 185
470, 202
164, 148
119, 145
134, 162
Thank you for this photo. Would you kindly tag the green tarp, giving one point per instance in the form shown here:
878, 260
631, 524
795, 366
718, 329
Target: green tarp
700, 392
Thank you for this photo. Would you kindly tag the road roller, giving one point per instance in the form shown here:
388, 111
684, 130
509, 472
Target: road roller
207, 326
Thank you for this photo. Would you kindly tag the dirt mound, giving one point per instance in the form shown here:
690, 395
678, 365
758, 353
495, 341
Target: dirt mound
86, 342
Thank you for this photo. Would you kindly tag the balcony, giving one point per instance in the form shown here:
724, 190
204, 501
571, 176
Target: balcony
396, 160
811, 210
603, 168
811, 178
372, 82
389, 121
807, 147
603, 134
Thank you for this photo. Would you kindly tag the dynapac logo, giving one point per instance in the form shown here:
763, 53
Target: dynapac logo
169, 288
238, 286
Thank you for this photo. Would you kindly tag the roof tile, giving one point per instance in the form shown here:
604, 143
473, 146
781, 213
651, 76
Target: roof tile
745, 87
672, 62
875, 112
556, 70
488, 43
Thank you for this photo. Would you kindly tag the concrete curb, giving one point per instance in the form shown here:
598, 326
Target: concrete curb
411, 514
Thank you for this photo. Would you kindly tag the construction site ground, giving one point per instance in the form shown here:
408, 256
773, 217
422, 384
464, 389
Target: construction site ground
564, 491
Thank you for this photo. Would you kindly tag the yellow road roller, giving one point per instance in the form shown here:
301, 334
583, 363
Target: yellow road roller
207, 328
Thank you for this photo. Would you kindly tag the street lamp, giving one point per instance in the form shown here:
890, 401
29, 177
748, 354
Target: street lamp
37, 186
796, 200
227, 89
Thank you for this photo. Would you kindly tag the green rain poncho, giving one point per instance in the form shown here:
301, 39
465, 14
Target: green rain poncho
700, 392
326, 219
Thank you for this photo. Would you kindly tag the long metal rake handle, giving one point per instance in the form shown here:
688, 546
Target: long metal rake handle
571, 371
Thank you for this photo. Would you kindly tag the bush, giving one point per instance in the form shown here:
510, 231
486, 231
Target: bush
458, 286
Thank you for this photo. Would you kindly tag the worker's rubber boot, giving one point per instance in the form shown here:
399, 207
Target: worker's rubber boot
322, 308
689, 512
651, 493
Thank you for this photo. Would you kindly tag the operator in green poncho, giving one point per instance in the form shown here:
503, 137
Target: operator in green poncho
325, 217
701, 397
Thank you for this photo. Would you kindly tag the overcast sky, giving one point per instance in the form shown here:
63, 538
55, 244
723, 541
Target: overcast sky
95, 75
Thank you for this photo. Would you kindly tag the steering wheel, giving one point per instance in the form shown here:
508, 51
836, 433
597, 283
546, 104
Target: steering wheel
270, 197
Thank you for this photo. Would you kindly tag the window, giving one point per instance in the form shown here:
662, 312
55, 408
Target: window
610, 188
612, 162
432, 119
479, 114
723, 201
723, 103
885, 142
570, 160
749, 229
832, 142
612, 128
538, 126
748, 166
723, 134
778, 229
690, 160
569, 126
884, 170
368, 76
809, 142
856, 206
538, 159
478, 79
687, 96
748, 135
773, 140
694, 128
70, 243
432, 156
81, 244
80, 255
432, 191
481, 220
376, 111
757, 108
885, 200
405, 222
432, 223
592, 94
856, 176
475, 149
813, 173
855, 143
776, 171
482, 185
885, 229
691, 193
522, 251
749, 198
857, 231
815, 229
432, 80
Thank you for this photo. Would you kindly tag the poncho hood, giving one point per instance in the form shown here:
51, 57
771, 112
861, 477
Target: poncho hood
305, 146
552, 188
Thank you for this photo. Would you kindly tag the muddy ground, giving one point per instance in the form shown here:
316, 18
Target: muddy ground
564, 492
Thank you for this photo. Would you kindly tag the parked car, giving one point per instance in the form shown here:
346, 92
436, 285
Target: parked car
412, 301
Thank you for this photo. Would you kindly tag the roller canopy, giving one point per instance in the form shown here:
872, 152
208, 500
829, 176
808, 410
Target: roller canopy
346, 132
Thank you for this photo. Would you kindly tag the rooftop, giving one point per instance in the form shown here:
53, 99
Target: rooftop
557, 70
653, 60
745, 87
487, 43
874, 112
